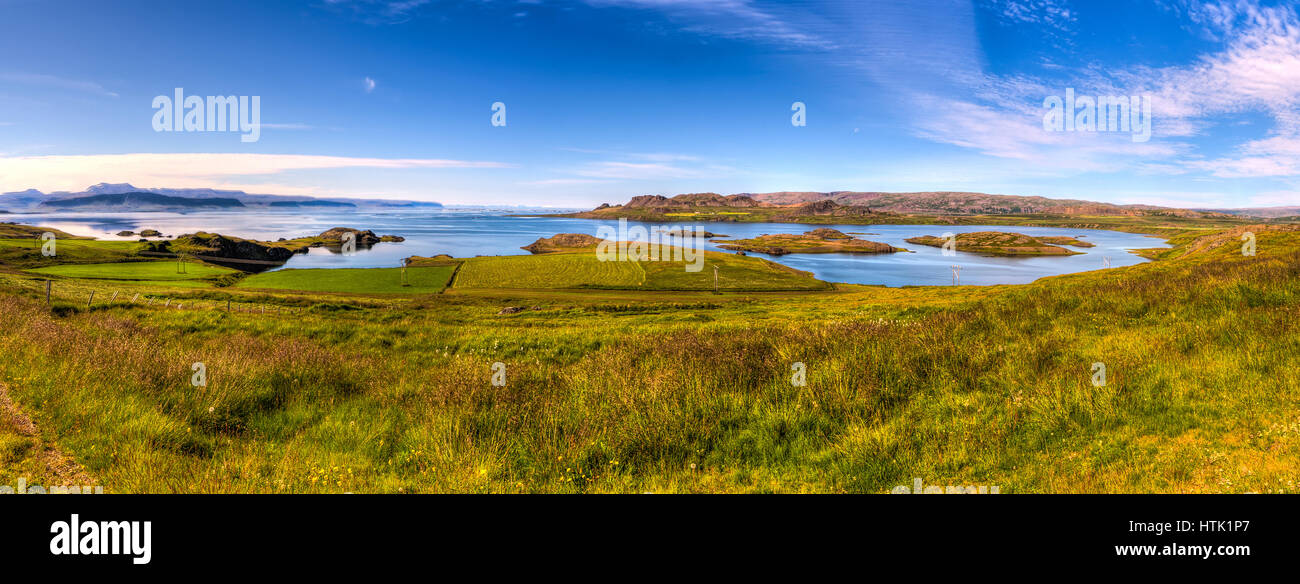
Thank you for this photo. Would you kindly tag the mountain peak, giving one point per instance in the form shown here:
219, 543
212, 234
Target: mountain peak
111, 188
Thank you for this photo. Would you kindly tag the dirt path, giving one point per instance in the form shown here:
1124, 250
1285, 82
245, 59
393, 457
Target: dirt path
58, 469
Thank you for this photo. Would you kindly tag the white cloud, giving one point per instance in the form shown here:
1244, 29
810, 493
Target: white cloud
57, 83
1256, 71
564, 181
734, 19
376, 12
368, 84
288, 126
1052, 13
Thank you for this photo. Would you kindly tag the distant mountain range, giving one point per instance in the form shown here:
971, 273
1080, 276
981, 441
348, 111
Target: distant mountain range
127, 197
965, 203
1263, 212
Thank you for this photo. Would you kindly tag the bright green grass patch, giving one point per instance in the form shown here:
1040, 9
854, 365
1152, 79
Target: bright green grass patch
584, 270
358, 281
152, 271
26, 253
557, 270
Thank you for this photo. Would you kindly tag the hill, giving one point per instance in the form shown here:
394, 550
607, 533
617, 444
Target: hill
34, 200
999, 243
968, 203
137, 201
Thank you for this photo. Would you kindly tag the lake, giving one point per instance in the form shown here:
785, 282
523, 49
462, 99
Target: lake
466, 232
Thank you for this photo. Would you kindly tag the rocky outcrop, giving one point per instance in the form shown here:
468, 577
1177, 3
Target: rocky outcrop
821, 240
215, 248
563, 241
365, 238
994, 243
690, 200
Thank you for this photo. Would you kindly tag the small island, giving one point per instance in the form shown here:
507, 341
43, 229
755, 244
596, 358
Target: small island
1002, 244
1065, 240
562, 242
821, 240
250, 255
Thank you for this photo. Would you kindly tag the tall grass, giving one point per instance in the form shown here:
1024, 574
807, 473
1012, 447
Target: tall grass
619, 392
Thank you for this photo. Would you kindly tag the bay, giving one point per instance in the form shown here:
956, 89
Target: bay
473, 231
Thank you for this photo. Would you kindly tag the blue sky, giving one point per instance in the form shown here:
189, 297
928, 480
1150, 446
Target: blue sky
606, 99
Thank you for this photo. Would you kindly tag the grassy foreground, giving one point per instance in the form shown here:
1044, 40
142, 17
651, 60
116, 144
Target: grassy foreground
581, 269
356, 281
153, 271
632, 390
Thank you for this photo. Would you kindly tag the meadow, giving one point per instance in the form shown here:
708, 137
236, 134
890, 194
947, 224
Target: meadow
582, 269
636, 390
153, 271
355, 281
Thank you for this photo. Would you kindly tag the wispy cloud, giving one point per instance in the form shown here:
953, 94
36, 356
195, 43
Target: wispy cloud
43, 80
1256, 71
650, 171
564, 182
368, 84
735, 19
378, 12
1055, 14
288, 126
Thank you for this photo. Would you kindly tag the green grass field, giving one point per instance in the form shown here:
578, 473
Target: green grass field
584, 270
555, 270
162, 271
26, 253
633, 390
356, 281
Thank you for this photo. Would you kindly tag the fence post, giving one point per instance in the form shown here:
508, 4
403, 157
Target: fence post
92, 299
48, 283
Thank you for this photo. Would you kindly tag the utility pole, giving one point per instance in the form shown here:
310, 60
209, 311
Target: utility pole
715, 279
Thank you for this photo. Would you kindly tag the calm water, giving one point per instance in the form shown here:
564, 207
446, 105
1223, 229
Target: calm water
465, 232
